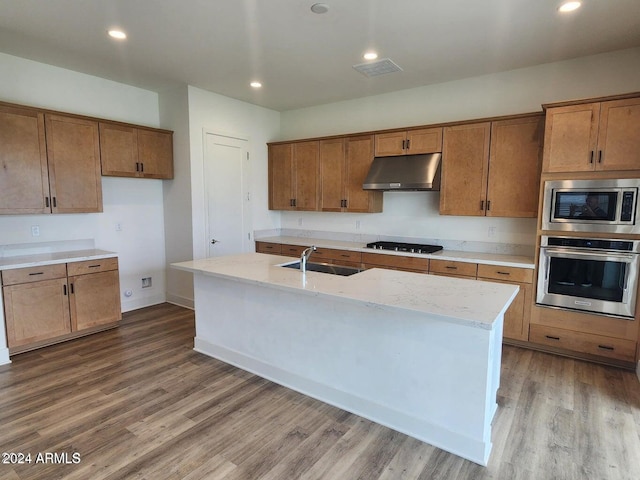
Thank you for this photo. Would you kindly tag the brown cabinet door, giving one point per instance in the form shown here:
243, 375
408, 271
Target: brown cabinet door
94, 299
619, 135
73, 152
465, 162
570, 141
359, 158
36, 311
155, 154
332, 172
24, 179
281, 177
118, 150
424, 140
514, 167
390, 144
306, 168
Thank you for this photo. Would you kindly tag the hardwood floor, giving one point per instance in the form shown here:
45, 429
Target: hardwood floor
138, 402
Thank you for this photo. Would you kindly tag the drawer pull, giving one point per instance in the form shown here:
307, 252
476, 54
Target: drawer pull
503, 273
606, 347
346, 255
451, 267
94, 266
36, 273
552, 338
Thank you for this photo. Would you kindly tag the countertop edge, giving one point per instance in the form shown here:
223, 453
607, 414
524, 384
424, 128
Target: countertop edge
36, 260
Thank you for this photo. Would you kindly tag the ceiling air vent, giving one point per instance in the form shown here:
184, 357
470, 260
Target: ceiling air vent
373, 69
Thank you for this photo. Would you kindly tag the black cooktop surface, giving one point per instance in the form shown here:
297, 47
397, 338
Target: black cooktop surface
404, 247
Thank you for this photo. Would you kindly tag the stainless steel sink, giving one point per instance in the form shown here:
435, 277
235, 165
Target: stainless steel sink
325, 268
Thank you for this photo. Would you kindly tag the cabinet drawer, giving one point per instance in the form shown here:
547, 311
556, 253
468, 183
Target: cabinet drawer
449, 267
34, 274
336, 254
92, 266
396, 262
267, 247
292, 250
510, 274
583, 342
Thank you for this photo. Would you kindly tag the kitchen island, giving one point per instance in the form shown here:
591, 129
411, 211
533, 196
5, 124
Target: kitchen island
418, 353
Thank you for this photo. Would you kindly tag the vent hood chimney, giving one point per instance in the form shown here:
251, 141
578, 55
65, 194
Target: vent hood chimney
404, 173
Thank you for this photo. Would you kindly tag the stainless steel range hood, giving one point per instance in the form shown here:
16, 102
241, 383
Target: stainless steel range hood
407, 172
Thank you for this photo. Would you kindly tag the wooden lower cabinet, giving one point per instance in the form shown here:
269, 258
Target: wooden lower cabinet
52, 303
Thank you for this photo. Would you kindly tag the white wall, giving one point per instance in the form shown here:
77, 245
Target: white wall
136, 204
517, 91
222, 115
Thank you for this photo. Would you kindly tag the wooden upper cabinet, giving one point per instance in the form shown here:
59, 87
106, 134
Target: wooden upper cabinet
465, 167
593, 137
344, 164
306, 161
332, 174
135, 152
409, 142
281, 177
73, 152
619, 135
294, 176
359, 155
24, 177
514, 167
492, 168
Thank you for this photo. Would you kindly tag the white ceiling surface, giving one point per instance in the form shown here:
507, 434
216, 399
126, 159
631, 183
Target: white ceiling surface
305, 59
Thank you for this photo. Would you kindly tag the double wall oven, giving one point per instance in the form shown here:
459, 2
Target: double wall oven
599, 273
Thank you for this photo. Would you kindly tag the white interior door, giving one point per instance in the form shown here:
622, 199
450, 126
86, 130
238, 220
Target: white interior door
225, 162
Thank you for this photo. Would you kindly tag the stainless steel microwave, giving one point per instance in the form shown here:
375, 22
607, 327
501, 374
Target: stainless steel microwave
607, 205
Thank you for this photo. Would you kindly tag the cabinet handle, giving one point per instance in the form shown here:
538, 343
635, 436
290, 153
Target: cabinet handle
408, 144
294, 202
46, 202
142, 167
599, 156
71, 287
606, 347
94, 266
55, 204
346, 255
482, 205
403, 144
488, 205
137, 166
64, 289
37, 273
591, 157
552, 338
451, 267
503, 273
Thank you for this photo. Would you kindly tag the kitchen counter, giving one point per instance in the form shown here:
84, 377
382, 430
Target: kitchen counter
504, 260
38, 259
417, 353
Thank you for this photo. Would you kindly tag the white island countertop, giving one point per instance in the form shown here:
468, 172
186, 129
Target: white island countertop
467, 302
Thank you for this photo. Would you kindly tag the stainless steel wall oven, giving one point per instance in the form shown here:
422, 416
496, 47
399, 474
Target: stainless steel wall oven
592, 275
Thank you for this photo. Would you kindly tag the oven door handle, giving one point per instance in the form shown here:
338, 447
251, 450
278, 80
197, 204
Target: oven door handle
568, 253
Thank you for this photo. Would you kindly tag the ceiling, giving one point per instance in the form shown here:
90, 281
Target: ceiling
305, 59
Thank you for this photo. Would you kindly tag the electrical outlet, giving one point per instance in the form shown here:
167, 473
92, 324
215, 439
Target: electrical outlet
118, 227
357, 224
300, 222
492, 231
35, 230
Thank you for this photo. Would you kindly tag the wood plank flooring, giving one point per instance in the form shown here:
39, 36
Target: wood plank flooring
138, 402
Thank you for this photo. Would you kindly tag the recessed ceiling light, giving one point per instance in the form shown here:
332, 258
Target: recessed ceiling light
370, 56
319, 8
569, 6
256, 84
118, 34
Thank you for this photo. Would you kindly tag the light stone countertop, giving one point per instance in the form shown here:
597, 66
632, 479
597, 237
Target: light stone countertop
38, 259
473, 303
455, 255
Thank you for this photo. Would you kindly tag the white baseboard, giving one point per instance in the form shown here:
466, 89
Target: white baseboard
135, 304
180, 301
4, 356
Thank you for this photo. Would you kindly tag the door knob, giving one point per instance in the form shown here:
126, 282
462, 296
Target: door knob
214, 241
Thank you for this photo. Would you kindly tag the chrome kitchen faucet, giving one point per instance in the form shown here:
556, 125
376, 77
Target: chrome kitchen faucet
304, 257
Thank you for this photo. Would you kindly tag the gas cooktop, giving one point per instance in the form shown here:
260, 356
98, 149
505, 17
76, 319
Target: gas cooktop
404, 247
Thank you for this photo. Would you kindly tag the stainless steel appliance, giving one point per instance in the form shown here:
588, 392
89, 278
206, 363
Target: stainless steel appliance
405, 247
404, 173
606, 205
593, 275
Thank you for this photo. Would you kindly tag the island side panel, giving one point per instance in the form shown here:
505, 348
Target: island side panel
422, 376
